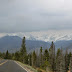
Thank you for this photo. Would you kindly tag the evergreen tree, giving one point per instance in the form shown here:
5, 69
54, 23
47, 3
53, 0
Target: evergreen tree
3, 55
23, 51
66, 61
7, 55
0, 55
52, 57
30, 59
34, 59
46, 60
58, 53
69, 56
46, 55
17, 55
41, 57
37, 58
13, 56
71, 64
60, 61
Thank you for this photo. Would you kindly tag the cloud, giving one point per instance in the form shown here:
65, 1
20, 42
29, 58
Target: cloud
32, 15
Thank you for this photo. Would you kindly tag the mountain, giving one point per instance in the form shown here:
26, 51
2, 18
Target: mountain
13, 43
47, 36
64, 44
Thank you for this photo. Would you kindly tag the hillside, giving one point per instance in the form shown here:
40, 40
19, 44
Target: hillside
13, 43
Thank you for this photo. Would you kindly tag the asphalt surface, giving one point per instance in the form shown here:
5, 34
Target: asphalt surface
1, 61
10, 66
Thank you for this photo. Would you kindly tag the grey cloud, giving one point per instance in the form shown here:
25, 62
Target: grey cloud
33, 15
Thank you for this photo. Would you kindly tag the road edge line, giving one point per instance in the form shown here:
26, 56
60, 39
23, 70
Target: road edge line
3, 63
21, 66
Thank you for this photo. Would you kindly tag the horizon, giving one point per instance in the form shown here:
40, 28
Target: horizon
50, 35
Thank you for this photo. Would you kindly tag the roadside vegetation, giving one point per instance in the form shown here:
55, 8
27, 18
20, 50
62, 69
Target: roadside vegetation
48, 60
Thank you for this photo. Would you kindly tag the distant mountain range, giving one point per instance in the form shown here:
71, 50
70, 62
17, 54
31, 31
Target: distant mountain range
47, 36
13, 43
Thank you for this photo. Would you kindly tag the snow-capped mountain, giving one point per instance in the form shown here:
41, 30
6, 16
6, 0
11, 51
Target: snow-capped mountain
13, 43
47, 36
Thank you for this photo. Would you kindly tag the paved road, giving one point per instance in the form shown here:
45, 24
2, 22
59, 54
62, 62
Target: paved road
1, 61
10, 66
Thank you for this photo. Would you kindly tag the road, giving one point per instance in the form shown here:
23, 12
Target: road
10, 66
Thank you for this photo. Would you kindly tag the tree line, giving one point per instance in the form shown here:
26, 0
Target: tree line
48, 59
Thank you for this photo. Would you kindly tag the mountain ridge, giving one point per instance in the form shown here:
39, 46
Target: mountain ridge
13, 43
47, 36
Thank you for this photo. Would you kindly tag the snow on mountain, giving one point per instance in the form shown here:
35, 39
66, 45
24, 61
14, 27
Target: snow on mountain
50, 35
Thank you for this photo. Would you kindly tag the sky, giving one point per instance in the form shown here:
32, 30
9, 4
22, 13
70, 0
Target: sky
35, 15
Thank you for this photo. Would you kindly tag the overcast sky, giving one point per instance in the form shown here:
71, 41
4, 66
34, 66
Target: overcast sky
35, 15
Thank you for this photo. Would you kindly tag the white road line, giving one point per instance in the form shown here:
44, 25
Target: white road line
21, 66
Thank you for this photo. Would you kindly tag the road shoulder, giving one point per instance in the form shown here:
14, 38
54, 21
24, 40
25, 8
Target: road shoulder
25, 67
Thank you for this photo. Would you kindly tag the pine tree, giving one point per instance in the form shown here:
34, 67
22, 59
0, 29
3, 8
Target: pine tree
60, 62
66, 61
0, 55
69, 56
46, 60
71, 64
58, 53
46, 55
30, 59
23, 51
34, 59
41, 57
7, 55
37, 58
17, 56
3, 55
52, 57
